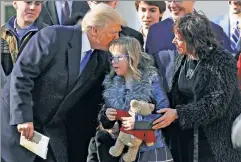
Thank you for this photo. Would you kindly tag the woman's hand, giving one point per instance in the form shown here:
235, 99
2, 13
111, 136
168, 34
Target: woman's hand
129, 122
111, 114
169, 116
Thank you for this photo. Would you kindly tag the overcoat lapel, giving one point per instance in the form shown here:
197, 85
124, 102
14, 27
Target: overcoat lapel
73, 57
177, 65
89, 71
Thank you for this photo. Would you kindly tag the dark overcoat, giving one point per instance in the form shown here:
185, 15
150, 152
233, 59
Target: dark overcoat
45, 84
217, 102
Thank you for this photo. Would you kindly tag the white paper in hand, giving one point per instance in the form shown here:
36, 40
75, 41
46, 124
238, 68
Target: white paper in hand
38, 144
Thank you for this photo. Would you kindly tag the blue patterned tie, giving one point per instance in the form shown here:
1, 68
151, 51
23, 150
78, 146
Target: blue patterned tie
235, 35
85, 60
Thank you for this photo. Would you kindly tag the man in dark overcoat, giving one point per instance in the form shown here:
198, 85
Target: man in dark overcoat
59, 67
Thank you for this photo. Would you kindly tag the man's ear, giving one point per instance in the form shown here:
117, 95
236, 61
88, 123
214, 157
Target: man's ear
15, 4
94, 31
115, 3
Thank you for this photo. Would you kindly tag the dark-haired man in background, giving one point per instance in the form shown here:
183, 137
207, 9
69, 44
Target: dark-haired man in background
149, 13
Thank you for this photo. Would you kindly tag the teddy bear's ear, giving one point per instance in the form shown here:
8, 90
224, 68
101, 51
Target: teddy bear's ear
135, 106
134, 103
141, 107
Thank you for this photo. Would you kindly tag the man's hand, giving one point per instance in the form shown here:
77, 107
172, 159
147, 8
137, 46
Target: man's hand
26, 129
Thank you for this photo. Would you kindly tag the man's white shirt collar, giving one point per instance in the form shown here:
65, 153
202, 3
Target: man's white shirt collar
85, 45
233, 20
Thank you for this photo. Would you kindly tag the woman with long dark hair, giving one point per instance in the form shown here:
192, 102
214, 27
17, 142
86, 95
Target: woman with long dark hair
204, 98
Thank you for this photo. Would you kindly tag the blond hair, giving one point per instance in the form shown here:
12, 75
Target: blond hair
101, 16
138, 60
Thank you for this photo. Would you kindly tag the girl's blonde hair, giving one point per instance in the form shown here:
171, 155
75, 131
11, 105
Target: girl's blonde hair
137, 59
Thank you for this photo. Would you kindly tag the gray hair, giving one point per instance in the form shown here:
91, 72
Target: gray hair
100, 17
138, 60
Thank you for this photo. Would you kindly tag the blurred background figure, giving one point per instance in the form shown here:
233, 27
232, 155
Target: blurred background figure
128, 11
160, 38
149, 13
125, 31
7, 64
74, 19
231, 24
57, 12
16, 33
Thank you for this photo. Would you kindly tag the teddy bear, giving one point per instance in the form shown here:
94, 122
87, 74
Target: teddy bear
133, 138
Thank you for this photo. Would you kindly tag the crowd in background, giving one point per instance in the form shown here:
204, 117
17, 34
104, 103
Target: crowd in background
71, 69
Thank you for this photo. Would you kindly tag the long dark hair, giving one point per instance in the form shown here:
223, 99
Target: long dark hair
196, 30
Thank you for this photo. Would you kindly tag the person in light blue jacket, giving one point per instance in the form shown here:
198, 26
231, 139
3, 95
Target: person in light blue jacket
133, 76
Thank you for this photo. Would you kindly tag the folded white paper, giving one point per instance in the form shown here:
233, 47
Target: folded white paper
38, 144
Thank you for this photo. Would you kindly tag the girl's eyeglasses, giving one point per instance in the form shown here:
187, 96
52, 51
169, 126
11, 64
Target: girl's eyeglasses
117, 59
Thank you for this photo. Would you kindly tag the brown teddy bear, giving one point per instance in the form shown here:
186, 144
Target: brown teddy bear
133, 138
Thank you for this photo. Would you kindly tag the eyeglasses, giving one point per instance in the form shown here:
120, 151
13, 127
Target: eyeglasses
117, 59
